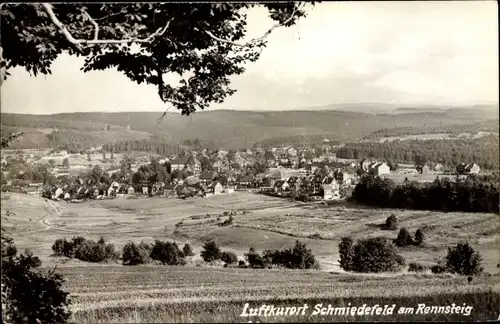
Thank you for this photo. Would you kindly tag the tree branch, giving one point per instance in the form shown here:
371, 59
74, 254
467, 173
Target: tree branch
78, 42
96, 26
255, 40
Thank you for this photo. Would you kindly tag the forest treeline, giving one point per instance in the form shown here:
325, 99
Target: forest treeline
297, 140
482, 151
471, 194
473, 128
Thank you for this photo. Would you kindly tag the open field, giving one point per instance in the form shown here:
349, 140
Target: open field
110, 294
268, 222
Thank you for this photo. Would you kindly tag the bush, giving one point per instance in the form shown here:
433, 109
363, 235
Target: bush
416, 267
419, 237
133, 254
23, 285
167, 253
391, 222
58, 247
346, 252
404, 238
90, 251
242, 264
438, 268
463, 260
300, 257
373, 255
187, 250
255, 260
229, 257
211, 252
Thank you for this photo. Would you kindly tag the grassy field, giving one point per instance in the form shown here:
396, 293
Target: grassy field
110, 294
195, 293
260, 221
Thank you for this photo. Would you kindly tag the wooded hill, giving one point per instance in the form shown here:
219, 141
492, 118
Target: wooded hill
221, 128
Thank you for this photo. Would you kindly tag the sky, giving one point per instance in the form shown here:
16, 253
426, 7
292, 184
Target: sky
403, 53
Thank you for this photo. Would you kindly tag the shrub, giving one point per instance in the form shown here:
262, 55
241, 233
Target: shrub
419, 237
167, 253
187, 250
346, 252
300, 257
91, 251
416, 267
255, 260
463, 260
229, 257
375, 255
404, 238
23, 284
58, 247
391, 222
438, 268
211, 252
242, 264
133, 254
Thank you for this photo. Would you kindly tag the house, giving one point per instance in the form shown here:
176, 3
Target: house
379, 168
438, 167
130, 190
59, 193
215, 188
189, 163
315, 166
246, 181
472, 168
365, 165
207, 177
331, 189
113, 188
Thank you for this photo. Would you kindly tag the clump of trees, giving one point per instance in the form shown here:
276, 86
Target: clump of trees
168, 253
85, 249
468, 195
134, 254
369, 255
298, 257
229, 258
28, 296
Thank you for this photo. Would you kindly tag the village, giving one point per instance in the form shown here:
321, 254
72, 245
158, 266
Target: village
303, 173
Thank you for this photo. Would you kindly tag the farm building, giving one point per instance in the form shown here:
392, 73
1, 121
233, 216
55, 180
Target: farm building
245, 181
423, 169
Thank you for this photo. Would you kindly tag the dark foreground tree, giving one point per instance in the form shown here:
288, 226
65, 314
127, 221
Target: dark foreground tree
27, 295
200, 42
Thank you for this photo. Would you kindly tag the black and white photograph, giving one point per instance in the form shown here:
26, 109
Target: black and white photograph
249, 162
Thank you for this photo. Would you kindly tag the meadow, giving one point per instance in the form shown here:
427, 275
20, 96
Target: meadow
108, 293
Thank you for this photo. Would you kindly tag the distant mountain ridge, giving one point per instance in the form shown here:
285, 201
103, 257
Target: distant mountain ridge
228, 128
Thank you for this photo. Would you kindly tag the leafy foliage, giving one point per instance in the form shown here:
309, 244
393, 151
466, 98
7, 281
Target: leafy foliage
187, 250
199, 42
27, 295
134, 254
299, 257
167, 253
391, 222
211, 252
229, 257
416, 267
419, 236
370, 255
462, 259
255, 260
404, 238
